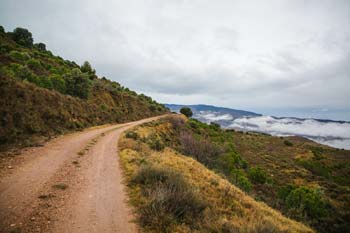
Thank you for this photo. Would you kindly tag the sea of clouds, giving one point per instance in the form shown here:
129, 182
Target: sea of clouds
332, 133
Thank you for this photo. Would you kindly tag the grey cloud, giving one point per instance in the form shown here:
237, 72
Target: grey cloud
238, 53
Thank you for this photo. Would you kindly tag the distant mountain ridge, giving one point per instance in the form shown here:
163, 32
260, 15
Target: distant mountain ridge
235, 113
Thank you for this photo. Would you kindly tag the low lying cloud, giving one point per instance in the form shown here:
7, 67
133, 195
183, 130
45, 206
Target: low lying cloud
331, 133
212, 116
335, 134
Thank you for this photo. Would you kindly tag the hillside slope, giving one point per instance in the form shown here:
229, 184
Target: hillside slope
175, 193
42, 94
304, 180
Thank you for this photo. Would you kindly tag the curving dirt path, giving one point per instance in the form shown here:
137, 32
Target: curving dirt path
71, 184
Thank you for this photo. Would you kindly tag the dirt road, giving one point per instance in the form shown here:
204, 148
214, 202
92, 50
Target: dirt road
71, 184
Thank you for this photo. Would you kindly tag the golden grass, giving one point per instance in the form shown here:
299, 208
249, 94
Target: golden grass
229, 206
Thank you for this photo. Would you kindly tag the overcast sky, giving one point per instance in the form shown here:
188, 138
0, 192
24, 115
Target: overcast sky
273, 56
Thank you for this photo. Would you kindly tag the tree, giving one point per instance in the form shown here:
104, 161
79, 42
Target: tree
2, 29
40, 46
86, 68
186, 111
77, 84
23, 37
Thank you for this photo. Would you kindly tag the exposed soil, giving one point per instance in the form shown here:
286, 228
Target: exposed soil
71, 184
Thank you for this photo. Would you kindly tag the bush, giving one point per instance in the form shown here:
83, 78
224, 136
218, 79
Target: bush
23, 37
215, 126
202, 150
287, 143
309, 202
315, 167
177, 123
34, 64
40, 46
78, 84
45, 83
257, 175
284, 191
155, 143
244, 183
23, 72
2, 29
19, 56
152, 108
131, 134
186, 111
169, 199
58, 83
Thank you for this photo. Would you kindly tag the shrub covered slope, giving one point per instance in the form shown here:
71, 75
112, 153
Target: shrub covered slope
42, 94
304, 180
172, 192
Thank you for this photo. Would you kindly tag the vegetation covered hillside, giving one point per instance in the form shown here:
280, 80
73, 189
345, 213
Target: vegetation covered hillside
42, 94
172, 192
304, 180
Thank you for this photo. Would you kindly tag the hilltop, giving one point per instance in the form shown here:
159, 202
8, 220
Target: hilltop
42, 94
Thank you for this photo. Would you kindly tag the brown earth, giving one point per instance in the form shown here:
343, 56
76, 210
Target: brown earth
71, 184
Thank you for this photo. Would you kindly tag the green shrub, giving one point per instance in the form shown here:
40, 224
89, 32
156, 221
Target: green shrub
317, 152
40, 46
309, 202
244, 183
4, 48
194, 123
152, 108
34, 64
23, 72
215, 126
315, 167
287, 143
155, 143
19, 56
169, 199
186, 111
45, 83
58, 83
284, 191
77, 84
131, 134
257, 175
34, 79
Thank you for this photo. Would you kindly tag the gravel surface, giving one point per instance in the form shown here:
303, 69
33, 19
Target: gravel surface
71, 184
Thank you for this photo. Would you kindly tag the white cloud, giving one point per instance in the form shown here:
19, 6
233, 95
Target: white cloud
331, 133
212, 116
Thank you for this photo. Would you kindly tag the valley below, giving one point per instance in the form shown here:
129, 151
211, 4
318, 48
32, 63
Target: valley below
328, 132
